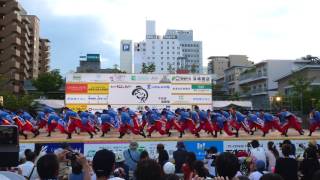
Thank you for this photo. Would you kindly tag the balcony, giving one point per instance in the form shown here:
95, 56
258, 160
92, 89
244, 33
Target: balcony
248, 78
10, 18
255, 92
10, 29
9, 41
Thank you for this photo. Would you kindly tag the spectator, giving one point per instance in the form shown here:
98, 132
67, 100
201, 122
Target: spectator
163, 155
227, 165
132, 156
309, 164
285, 166
170, 177
272, 156
187, 167
210, 159
148, 170
259, 167
200, 170
121, 169
28, 169
76, 171
179, 156
271, 176
144, 155
48, 167
293, 148
316, 175
257, 152
168, 168
103, 164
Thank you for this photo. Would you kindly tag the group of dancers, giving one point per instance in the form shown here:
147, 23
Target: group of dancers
127, 121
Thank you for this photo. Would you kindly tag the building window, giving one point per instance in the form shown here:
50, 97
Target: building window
153, 57
161, 52
167, 52
167, 42
168, 47
172, 47
168, 58
152, 42
161, 58
161, 47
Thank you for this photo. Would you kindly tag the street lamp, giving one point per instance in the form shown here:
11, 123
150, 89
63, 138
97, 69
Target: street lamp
278, 98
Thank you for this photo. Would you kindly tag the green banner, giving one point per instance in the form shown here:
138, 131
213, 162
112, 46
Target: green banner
196, 86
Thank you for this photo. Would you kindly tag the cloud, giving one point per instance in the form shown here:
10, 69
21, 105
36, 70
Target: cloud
262, 29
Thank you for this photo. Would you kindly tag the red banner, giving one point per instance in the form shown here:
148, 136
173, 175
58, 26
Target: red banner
76, 88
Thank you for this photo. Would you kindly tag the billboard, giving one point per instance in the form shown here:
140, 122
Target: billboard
140, 93
94, 91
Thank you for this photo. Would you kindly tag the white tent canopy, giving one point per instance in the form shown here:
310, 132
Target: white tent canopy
222, 104
56, 104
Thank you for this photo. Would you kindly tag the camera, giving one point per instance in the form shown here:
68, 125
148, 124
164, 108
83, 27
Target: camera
71, 156
9, 146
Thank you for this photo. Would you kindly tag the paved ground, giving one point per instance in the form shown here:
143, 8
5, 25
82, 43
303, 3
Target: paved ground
113, 137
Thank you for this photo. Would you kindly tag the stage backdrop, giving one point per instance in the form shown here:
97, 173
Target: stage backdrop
93, 92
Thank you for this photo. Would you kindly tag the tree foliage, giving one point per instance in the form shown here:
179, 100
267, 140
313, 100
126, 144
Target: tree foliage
193, 68
49, 81
148, 68
13, 102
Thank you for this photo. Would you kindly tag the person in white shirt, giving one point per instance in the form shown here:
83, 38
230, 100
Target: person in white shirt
272, 156
28, 168
257, 152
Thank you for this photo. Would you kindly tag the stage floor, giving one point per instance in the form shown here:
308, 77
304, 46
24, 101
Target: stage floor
113, 137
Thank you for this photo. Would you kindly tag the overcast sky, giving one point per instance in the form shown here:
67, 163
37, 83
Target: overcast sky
260, 29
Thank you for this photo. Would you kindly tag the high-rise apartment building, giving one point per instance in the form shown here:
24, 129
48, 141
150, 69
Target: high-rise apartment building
218, 64
44, 55
174, 51
19, 45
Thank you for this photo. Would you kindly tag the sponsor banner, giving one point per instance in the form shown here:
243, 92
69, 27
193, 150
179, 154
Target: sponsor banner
77, 107
138, 78
151, 147
98, 88
200, 147
76, 99
90, 149
87, 77
97, 107
190, 88
52, 147
191, 99
134, 94
76, 88
150, 78
86, 99
243, 145
24, 146
180, 78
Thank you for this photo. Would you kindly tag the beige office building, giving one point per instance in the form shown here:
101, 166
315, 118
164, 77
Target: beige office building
19, 45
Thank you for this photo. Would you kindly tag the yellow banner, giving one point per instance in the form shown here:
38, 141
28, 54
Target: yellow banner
98, 88
77, 107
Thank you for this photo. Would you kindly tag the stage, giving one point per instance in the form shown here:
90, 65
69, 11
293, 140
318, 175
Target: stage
113, 137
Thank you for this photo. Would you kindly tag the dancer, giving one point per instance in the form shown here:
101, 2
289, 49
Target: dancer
291, 121
254, 122
86, 124
106, 122
238, 121
171, 121
154, 122
187, 122
314, 121
24, 122
270, 122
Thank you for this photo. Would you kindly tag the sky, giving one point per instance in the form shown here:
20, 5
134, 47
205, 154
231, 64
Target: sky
260, 29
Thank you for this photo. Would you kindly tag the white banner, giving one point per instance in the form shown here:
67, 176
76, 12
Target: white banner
87, 77
243, 145
90, 149
130, 94
190, 89
86, 99
191, 99
190, 79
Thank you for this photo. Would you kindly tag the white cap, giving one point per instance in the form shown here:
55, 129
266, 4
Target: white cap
119, 157
169, 168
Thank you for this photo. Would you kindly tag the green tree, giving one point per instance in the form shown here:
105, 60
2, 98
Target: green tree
170, 69
13, 102
49, 81
301, 89
193, 68
152, 68
144, 68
